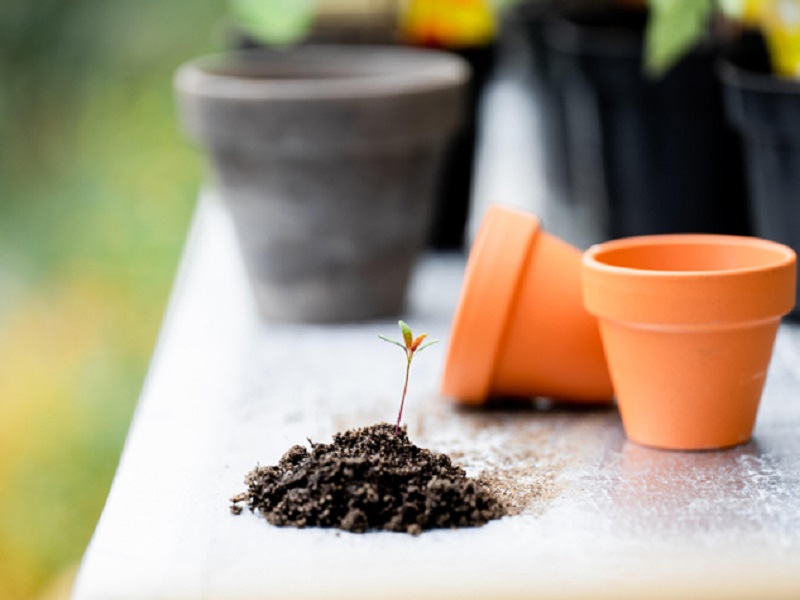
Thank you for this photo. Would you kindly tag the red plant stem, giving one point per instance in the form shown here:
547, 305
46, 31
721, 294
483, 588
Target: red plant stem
403, 399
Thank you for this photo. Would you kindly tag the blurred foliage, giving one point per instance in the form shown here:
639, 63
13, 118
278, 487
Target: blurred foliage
676, 26
449, 23
673, 29
274, 22
96, 190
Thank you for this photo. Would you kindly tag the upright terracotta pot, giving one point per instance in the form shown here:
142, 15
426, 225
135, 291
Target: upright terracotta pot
520, 328
688, 324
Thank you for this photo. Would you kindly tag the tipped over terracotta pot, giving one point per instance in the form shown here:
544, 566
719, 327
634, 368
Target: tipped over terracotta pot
688, 325
520, 328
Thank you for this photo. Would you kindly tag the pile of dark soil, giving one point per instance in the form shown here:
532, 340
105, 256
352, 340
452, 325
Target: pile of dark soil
368, 479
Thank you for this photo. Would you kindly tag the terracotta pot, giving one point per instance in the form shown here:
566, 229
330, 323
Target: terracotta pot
688, 324
520, 328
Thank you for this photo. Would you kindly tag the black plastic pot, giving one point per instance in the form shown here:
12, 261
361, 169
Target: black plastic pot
573, 206
668, 159
766, 111
550, 104
454, 193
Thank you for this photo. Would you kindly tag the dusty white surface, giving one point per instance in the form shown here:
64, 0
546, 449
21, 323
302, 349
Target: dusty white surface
603, 517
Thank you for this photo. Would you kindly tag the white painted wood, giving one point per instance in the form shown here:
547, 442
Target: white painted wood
605, 518
226, 391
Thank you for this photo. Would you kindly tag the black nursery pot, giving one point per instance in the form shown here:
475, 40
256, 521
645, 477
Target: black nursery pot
551, 106
766, 111
454, 192
669, 161
573, 206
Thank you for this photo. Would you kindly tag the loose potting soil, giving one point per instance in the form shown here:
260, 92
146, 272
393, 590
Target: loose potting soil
368, 479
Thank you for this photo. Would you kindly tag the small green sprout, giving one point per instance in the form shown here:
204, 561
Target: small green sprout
411, 346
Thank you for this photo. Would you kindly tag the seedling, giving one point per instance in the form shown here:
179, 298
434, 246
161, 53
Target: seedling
411, 346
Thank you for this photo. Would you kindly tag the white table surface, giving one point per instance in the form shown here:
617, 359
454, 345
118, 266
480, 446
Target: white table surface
602, 518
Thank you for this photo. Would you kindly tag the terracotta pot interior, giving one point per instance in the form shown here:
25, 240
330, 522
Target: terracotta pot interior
693, 257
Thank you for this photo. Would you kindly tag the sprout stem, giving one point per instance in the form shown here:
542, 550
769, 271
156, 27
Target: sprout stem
403, 399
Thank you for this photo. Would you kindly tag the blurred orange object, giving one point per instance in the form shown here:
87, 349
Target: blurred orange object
448, 23
688, 324
520, 328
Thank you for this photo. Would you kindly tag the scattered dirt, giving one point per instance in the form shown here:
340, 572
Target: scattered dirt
519, 491
369, 479
518, 451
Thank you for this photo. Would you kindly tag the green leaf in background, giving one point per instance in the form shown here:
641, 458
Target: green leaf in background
97, 188
733, 9
503, 5
673, 29
275, 22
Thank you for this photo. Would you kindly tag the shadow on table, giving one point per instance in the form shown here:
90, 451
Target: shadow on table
536, 406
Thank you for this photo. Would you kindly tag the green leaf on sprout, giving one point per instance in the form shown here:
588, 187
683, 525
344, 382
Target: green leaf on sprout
398, 344
431, 343
408, 337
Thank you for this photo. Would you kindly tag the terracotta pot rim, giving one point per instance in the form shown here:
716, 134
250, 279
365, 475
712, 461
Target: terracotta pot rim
756, 284
784, 256
489, 289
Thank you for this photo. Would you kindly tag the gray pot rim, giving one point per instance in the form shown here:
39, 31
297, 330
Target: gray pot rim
321, 72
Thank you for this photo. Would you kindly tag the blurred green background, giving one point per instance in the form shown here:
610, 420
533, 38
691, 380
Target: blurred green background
97, 187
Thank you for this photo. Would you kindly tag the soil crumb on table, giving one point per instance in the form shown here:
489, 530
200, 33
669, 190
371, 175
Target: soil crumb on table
368, 479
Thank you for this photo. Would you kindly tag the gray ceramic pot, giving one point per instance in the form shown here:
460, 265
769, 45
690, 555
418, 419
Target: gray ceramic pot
327, 158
